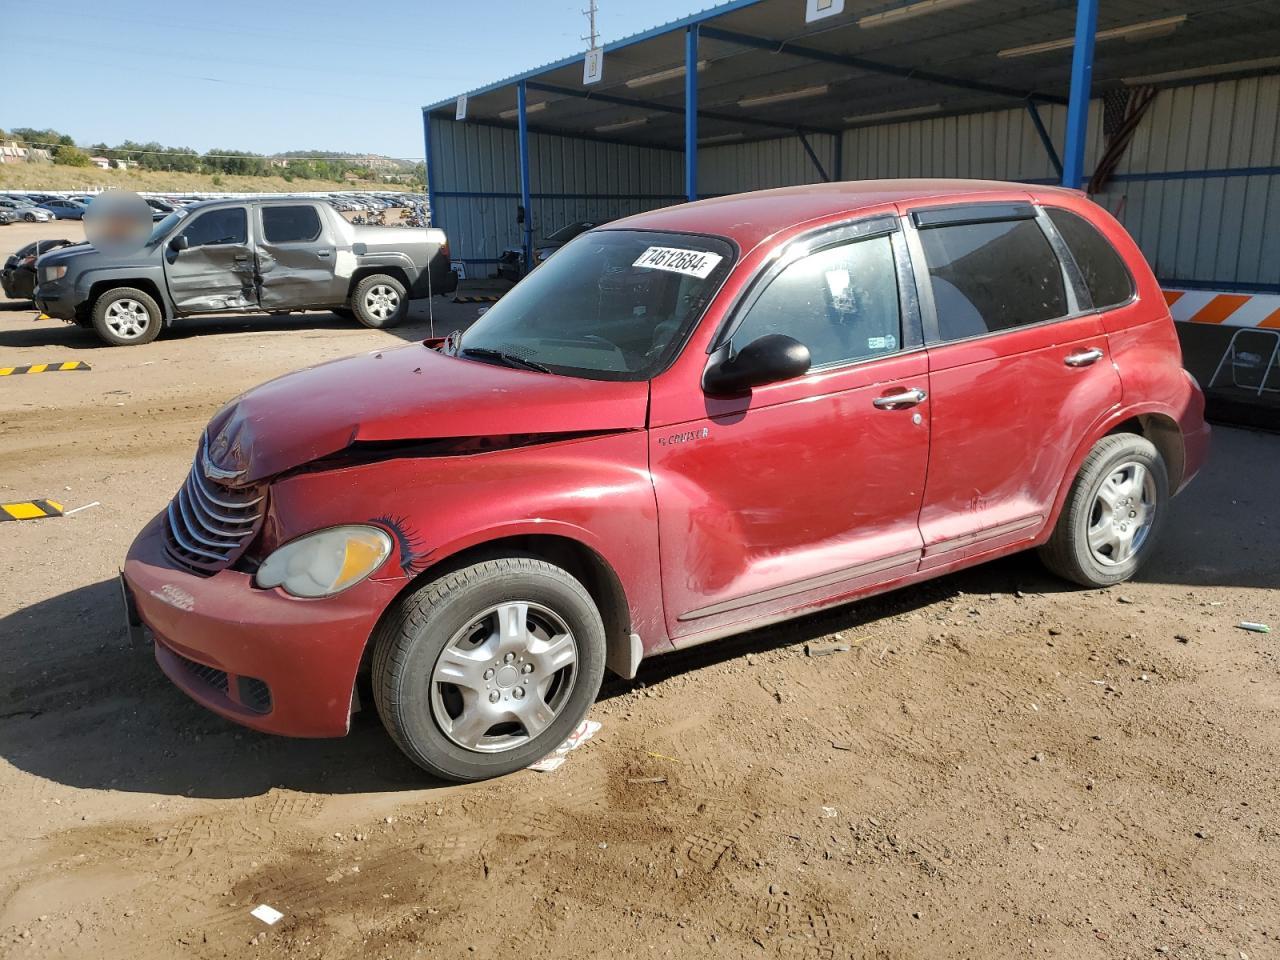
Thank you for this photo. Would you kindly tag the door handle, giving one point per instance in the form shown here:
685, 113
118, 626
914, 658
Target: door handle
1084, 357
900, 400
241, 257
323, 253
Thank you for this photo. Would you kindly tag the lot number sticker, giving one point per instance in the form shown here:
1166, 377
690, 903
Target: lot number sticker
693, 263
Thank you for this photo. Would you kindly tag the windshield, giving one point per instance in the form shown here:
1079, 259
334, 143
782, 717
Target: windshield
612, 305
165, 225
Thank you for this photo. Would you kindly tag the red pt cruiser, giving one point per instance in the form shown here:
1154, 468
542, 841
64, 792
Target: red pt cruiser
686, 424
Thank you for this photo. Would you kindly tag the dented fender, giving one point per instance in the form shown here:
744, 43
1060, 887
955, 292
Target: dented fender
595, 492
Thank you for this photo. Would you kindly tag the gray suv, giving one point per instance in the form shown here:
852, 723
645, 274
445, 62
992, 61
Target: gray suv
247, 255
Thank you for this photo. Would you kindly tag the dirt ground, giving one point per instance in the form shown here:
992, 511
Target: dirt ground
999, 767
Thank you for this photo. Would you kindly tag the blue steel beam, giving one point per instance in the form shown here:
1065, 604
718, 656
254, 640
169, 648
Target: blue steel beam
804, 142
871, 66
521, 99
1081, 87
656, 107
1045, 139
691, 111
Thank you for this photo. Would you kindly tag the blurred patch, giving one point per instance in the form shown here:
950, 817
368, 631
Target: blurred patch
118, 222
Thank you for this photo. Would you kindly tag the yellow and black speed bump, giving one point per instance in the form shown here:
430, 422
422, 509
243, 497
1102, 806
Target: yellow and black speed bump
45, 368
30, 510
494, 298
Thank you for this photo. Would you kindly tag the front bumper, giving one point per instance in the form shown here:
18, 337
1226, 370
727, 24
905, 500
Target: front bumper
258, 657
57, 300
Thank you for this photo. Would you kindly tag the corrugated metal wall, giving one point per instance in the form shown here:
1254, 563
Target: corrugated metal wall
477, 186
1217, 229
1221, 230
737, 167
1000, 145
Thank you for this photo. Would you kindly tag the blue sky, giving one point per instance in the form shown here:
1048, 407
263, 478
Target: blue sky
269, 75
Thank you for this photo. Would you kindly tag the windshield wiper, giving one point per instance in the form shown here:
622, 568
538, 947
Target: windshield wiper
508, 359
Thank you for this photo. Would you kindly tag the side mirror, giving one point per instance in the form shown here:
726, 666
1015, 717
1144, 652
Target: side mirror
179, 243
768, 359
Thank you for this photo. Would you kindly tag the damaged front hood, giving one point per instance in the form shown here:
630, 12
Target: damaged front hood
410, 393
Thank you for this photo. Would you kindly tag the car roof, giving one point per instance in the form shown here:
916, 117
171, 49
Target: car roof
750, 218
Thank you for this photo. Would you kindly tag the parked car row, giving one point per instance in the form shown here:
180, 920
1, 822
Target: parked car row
20, 209
35, 207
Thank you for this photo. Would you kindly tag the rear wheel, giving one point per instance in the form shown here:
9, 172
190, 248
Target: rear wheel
380, 301
1113, 514
489, 668
127, 316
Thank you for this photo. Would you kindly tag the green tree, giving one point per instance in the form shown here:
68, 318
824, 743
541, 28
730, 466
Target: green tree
71, 157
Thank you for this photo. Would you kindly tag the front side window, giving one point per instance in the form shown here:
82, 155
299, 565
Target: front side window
612, 305
1105, 275
840, 302
992, 276
218, 227
290, 224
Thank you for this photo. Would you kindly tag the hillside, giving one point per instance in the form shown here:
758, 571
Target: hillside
48, 176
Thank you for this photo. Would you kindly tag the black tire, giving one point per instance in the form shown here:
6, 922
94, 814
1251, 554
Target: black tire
380, 301
415, 632
114, 330
29, 217
1068, 552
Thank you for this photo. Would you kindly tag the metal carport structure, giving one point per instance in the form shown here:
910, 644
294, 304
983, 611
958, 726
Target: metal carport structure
1168, 107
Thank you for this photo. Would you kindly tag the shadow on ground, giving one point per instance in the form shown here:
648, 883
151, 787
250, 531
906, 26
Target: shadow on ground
448, 316
82, 708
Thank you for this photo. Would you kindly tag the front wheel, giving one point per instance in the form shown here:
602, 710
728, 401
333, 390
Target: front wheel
1113, 514
489, 668
126, 316
380, 301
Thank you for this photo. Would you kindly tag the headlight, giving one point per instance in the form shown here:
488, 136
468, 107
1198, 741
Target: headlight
324, 563
54, 273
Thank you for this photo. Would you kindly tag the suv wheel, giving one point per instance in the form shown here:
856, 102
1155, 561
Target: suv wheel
126, 316
488, 668
1113, 513
380, 301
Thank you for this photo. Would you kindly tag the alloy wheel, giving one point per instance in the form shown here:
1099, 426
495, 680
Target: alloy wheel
382, 301
127, 319
1123, 511
504, 677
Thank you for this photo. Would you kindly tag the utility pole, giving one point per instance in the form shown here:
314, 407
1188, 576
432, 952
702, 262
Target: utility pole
593, 37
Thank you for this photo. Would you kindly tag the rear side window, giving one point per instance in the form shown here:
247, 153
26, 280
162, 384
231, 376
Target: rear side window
840, 302
217, 227
1104, 271
993, 276
290, 224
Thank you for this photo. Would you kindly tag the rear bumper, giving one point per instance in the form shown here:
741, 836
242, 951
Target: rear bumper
1195, 451
258, 657
1195, 433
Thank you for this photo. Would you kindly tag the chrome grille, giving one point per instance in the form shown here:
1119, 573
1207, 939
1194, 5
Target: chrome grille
209, 525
